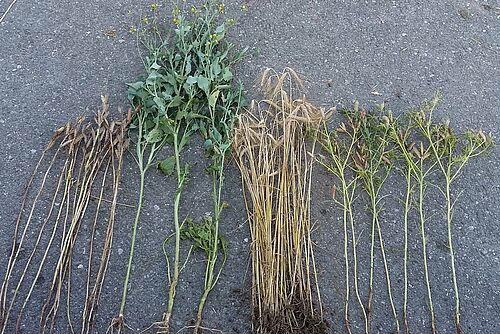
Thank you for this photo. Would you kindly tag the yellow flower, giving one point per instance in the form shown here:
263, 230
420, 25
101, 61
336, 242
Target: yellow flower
222, 8
154, 7
145, 20
194, 10
244, 7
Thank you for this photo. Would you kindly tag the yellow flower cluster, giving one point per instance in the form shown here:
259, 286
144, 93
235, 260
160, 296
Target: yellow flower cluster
222, 8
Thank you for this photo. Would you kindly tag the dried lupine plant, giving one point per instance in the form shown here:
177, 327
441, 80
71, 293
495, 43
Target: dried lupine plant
86, 150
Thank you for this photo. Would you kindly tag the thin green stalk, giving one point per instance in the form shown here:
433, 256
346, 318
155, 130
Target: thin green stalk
372, 251
387, 276
175, 277
421, 178
213, 254
132, 244
405, 260
355, 260
346, 258
142, 146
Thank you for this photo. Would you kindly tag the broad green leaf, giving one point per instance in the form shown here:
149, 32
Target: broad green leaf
203, 83
220, 29
216, 135
191, 80
160, 103
208, 144
167, 166
227, 75
136, 85
216, 69
184, 141
187, 70
176, 101
155, 66
154, 136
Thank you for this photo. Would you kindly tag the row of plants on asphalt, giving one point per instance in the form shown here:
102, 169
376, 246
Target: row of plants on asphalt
188, 94
369, 148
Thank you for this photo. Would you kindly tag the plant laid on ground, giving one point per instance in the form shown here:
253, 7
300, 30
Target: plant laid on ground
399, 137
189, 89
419, 164
119, 144
149, 129
340, 148
224, 104
372, 164
451, 153
276, 167
87, 149
61, 136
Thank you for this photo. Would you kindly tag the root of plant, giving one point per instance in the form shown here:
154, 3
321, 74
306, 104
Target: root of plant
276, 161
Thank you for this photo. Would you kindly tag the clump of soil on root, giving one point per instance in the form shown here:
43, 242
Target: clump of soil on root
295, 319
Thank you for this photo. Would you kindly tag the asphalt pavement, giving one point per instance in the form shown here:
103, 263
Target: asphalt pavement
58, 57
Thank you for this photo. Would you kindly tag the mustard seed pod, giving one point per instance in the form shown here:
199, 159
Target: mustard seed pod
334, 191
416, 152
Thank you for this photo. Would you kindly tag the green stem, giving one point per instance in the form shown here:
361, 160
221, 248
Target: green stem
175, 278
424, 248
346, 257
355, 264
405, 261
372, 251
449, 215
387, 276
213, 255
132, 245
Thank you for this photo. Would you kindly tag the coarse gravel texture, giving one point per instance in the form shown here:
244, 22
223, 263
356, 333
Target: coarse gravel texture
57, 57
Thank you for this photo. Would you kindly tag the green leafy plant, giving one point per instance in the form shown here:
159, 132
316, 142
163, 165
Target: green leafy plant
149, 132
419, 164
451, 153
188, 89
372, 164
340, 147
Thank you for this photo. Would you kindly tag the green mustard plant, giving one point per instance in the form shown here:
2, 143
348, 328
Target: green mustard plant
189, 86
